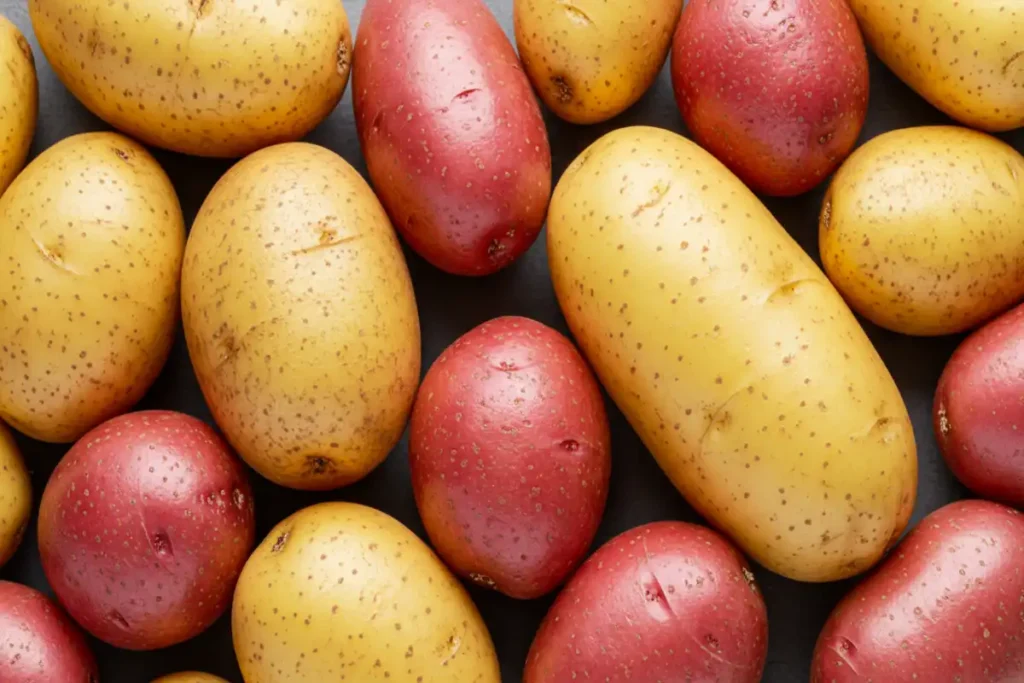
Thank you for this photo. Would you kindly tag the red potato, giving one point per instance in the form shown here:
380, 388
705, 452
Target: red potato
38, 643
144, 528
945, 606
510, 456
776, 89
979, 413
668, 601
451, 131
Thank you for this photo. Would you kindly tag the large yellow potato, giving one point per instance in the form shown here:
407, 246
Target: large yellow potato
203, 77
731, 355
190, 677
922, 229
339, 591
590, 61
966, 57
15, 496
91, 241
19, 101
300, 317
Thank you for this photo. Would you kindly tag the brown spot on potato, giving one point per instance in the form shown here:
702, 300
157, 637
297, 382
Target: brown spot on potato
563, 91
344, 55
26, 49
318, 465
1009, 62
281, 541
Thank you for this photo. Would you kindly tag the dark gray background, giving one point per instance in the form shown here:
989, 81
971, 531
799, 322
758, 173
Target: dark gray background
450, 306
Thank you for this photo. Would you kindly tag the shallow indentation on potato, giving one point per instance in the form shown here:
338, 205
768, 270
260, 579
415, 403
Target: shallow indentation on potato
575, 14
319, 465
161, 543
281, 542
26, 49
1011, 61
563, 91
118, 619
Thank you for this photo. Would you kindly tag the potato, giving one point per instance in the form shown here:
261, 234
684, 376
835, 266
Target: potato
451, 131
15, 496
144, 527
777, 91
510, 456
39, 642
19, 101
945, 605
342, 590
731, 355
668, 601
963, 57
92, 245
203, 77
921, 229
190, 677
300, 317
592, 61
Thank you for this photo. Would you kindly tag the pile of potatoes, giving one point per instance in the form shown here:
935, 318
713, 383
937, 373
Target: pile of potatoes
739, 362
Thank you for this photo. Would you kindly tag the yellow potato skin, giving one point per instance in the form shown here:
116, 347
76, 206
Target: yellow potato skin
966, 58
212, 78
15, 496
921, 229
592, 59
190, 677
19, 101
731, 355
340, 591
300, 317
91, 241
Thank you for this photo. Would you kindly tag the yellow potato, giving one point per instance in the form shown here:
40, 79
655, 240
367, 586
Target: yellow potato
339, 591
591, 60
966, 57
204, 77
731, 355
91, 241
15, 496
19, 101
922, 229
300, 317
190, 677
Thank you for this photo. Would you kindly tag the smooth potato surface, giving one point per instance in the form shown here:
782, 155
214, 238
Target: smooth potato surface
19, 101
15, 496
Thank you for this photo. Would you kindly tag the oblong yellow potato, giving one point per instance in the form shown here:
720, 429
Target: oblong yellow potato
922, 229
339, 591
91, 241
965, 57
19, 101
731, 355
300, 317
190, 677
206, 77
15, 496
590, 61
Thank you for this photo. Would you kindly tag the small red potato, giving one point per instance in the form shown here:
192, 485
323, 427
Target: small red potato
668, 601
144, 528
944, 607
510, 456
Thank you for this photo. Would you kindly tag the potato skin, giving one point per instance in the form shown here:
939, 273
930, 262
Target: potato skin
590, 63
92, 244
144, 528
190, 677
300, 317
510, 455
921, 229
667, 601
451, 131
778, 91
943, 607
731, 355
963, 57
15, 496
375, 588
203, 77
19, 95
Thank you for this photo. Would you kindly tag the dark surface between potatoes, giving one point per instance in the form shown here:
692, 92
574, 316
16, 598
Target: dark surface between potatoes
450, 306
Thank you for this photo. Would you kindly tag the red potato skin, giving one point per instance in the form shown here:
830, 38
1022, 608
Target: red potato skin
979, 410
510, 456
451, 132
144, 528
668, 601
944, 607
776, 89
38, 643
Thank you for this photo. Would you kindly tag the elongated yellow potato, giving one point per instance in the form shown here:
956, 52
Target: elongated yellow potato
15, 496
19, 101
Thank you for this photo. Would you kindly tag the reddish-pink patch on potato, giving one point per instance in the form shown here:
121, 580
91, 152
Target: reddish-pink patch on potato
510, 456
945, 606
451, 131
776, 89
144, 528
668, 601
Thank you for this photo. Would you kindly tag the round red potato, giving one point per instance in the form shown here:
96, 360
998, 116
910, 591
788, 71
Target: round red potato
979, 413
776, 89
38, 643
510, 456
945, 606
668, 601
144, 528
451, 131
